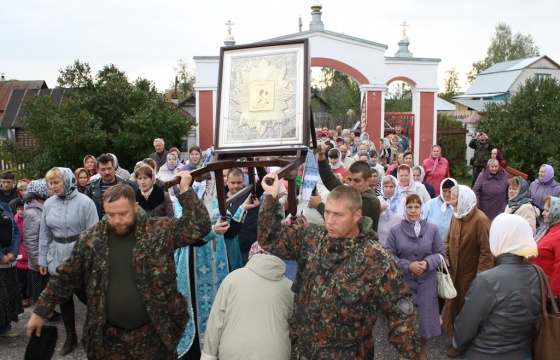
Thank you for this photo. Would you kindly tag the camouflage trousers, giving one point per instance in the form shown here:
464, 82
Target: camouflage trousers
141, 343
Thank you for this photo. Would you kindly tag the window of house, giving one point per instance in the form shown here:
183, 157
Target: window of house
542, 76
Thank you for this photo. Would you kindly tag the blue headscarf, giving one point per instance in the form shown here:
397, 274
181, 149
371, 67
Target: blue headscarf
393, 201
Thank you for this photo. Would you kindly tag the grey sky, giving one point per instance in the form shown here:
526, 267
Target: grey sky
146, 38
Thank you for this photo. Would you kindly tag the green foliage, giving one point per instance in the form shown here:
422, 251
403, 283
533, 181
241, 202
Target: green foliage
107, 114
340, 91
504, 47
452, 144
185, 78
525, 127
451, 85
400, 100
459, 170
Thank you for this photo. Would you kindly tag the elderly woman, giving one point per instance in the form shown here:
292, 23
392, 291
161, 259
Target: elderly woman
491, 189
520, 202
467, 249
392, 208
407, 185
169, 169
65, 216
503, 304
415, 244
543, 186
436, 167
548, 244
151, 197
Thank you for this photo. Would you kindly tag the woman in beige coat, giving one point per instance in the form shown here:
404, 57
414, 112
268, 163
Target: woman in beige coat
467, 249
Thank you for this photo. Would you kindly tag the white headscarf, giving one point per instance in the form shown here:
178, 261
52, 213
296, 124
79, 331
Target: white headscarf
445, 204
511, 233
339, 162
466, 200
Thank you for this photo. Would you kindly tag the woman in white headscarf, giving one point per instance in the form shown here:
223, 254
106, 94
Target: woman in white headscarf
467, 249
503, 304
392, 208
407, 185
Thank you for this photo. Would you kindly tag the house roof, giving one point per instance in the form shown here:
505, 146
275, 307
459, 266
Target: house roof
14, 108
499, 78
7, 86
477, 105
443, 105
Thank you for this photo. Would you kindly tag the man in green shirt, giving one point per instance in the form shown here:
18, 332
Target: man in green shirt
127, 263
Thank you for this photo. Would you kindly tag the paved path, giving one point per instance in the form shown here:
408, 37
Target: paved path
14, 348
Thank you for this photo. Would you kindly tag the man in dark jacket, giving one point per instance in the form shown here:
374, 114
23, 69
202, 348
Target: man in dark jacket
345, 278
96, 188
127, 263
358, 178
8, 191
160, 154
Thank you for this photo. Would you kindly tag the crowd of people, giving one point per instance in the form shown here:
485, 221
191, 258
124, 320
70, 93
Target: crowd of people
163, 273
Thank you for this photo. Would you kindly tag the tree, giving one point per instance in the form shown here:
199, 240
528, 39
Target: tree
451, 84
504, 47
186, 78
399, 100
107, 114
525, 127
340, 91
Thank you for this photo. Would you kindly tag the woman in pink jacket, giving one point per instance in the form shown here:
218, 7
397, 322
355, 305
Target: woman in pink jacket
436, 167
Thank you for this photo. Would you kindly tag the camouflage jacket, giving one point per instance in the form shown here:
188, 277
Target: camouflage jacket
153, 260
482, 151
340, 286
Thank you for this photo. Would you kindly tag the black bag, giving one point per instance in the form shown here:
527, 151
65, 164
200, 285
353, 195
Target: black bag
471, 161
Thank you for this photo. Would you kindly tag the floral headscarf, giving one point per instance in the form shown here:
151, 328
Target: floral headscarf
70, 182
94, 171
553, 217
466, 200
37, 189
393, 201
510, 233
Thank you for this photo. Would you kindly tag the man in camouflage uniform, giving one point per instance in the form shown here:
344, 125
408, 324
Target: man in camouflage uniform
482, 153
344, 278
127, 263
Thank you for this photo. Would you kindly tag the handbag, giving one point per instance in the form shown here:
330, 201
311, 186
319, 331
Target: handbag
445, 287
547, 331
